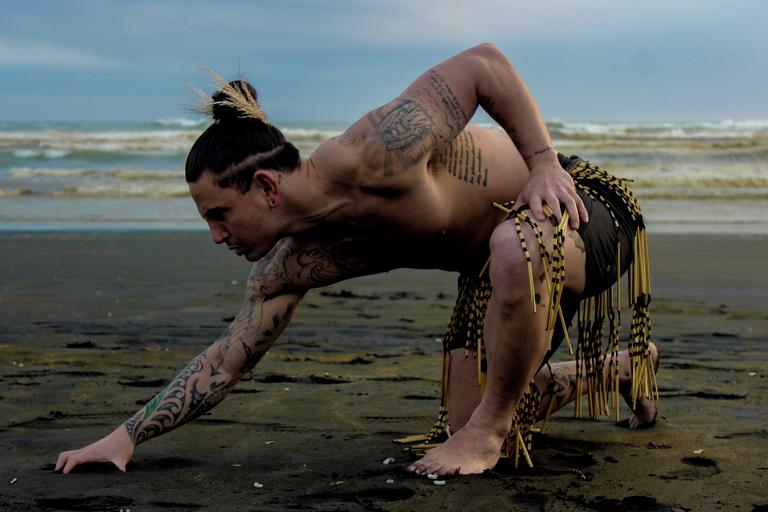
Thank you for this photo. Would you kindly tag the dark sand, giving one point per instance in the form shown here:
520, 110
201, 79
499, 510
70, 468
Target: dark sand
93, 324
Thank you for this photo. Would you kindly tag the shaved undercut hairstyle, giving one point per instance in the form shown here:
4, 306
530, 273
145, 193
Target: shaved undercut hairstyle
236, 135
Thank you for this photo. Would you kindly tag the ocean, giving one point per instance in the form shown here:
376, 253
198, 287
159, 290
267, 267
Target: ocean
689, 177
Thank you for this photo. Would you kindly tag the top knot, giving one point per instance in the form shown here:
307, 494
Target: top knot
234, 100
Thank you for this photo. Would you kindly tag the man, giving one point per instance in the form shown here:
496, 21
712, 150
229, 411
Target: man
408, 185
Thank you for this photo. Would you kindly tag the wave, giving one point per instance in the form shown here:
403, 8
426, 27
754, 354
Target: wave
175, 136
40, 153
152, 190
732, 195
181, 121
120, 174
724, 129
29, 172
746, 183
743, 124
149, 175
58, 144
309, 134
11, 192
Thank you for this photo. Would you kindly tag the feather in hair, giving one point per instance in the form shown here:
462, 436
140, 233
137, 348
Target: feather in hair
240, 99
204, 103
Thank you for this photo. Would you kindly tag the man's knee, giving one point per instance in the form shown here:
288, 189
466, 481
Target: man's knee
509, 265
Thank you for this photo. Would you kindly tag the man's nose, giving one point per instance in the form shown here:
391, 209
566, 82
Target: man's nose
218, 233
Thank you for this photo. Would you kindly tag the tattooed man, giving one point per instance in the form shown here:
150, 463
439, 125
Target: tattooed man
410, 184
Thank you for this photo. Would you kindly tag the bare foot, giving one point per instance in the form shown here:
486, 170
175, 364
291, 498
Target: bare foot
469, 451
644, 413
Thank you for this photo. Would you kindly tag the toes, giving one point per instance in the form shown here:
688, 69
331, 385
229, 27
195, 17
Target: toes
439, 470
420, 466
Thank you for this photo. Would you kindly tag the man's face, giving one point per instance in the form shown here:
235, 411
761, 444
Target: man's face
239, 220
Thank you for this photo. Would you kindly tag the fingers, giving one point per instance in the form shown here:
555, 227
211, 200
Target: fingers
554, 204
70, 465
67, 461
61, 460
536, 207
573, 211
577, 212
583, 215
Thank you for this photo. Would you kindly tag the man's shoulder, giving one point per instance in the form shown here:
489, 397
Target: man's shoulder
339, 157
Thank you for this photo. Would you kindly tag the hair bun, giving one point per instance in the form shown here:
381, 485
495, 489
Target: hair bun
224, 108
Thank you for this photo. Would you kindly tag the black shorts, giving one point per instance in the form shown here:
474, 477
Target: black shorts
610, 228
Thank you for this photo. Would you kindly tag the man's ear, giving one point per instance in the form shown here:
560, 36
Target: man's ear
265, 181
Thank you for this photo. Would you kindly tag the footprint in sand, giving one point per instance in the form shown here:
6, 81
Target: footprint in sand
698, 467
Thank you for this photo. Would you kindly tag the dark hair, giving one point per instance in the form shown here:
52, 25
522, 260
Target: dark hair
232, 138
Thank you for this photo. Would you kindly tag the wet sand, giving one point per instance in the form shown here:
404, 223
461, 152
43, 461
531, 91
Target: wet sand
92, 324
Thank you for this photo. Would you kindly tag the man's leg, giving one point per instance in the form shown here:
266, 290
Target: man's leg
556, 382
515, 347
559, 388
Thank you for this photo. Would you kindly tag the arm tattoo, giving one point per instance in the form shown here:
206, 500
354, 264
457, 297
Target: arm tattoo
539, 152
348, 137
464, 160
281, 276
256, 350
404, 128
202, 384
287, 269
179, 402
410, 127
455, 115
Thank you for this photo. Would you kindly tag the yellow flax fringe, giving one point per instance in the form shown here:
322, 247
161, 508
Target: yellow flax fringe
592, 376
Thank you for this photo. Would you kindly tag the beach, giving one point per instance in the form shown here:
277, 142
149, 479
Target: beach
95, 322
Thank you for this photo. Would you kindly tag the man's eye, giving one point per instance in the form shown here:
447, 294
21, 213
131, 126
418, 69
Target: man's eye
216, 214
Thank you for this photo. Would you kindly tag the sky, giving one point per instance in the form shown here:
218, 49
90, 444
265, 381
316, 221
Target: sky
333, 60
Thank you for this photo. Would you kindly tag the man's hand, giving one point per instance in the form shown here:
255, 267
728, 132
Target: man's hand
549, 183
116, 448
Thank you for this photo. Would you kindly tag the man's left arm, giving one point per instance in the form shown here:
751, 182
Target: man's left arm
446, 96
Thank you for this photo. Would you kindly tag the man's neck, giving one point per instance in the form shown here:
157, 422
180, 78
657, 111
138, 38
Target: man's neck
307, 200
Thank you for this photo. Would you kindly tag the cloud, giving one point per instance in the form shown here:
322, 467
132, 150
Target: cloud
30, 53
404, 22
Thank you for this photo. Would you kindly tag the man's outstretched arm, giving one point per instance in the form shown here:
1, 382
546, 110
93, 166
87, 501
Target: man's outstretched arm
276, 285
202, 384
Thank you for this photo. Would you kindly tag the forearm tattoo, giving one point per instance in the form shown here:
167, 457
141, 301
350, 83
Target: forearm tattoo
276, 284
538, 152
464, 160
203, 383
182, 400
